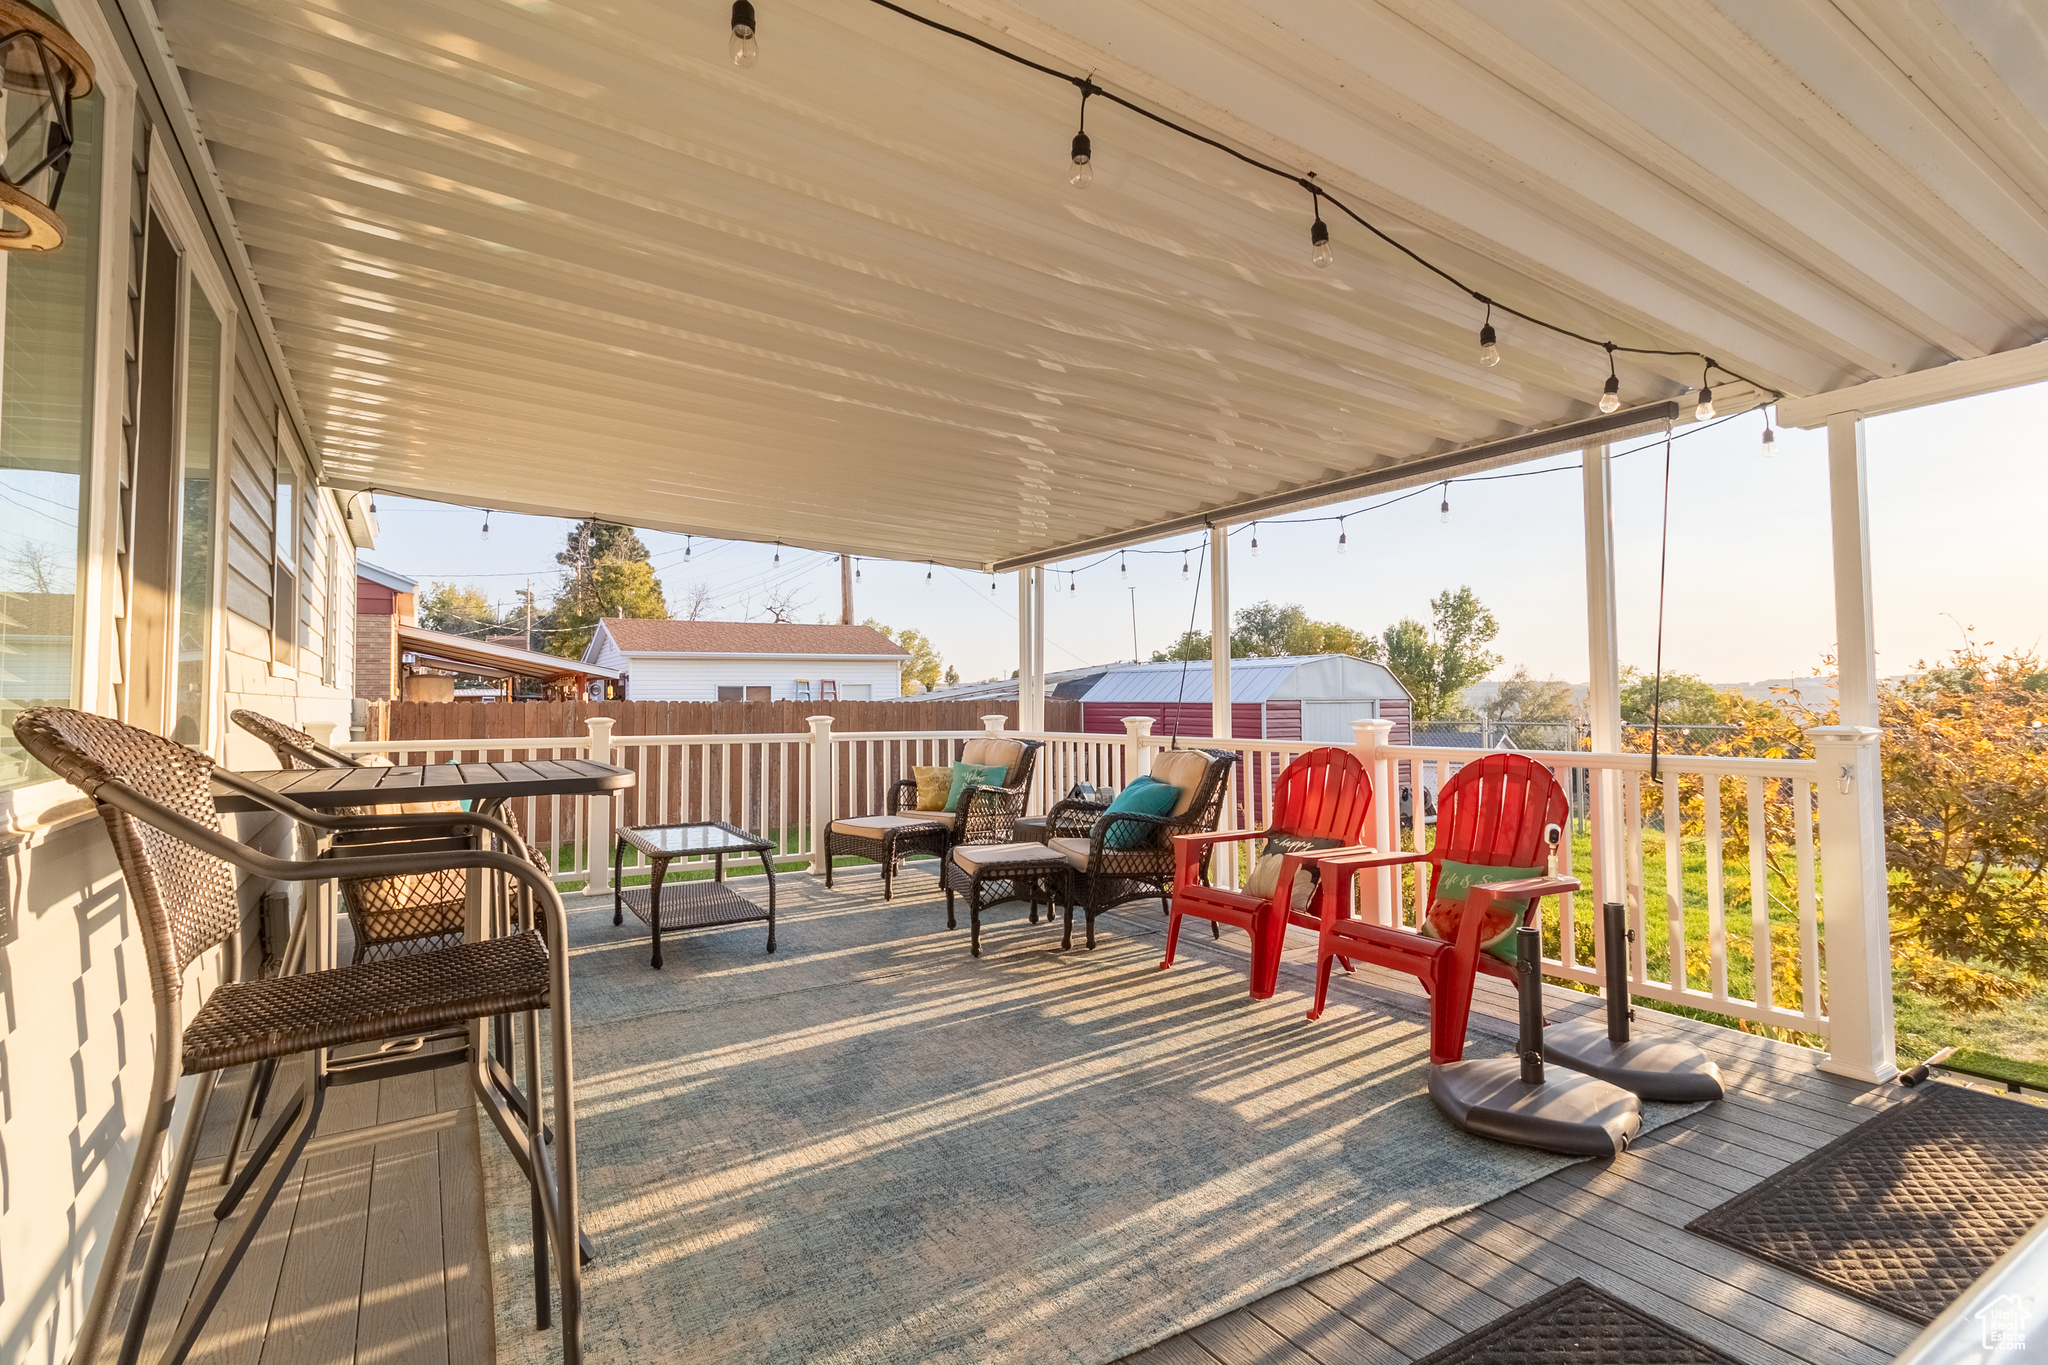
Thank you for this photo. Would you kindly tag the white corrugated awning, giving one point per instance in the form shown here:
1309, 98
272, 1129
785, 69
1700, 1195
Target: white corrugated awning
566, 260
454, 650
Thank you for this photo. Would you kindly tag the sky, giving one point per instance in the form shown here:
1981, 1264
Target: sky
1958, 511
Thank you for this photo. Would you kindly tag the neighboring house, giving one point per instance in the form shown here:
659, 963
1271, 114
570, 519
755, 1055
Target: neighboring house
397, 657
747, 661
384, 601
1312, 697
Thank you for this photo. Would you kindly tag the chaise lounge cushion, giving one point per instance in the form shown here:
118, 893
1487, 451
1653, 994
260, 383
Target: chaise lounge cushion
990, 751
1183, 769
875, 826
972, 858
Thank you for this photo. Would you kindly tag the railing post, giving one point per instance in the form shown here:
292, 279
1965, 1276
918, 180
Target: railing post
822, 791
1383, 830
1855, 914
597, 858
994, 724
1137, 729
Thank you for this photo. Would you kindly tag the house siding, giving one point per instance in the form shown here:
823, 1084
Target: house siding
650, 678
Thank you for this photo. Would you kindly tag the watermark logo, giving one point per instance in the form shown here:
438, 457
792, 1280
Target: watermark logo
2004, 1321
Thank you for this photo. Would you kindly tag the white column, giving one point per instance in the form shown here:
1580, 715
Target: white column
1026, 638
1370, 738
1603, 696
1855, 915
1219, 632
822, 788
1849, 517
1038, 577
599, 855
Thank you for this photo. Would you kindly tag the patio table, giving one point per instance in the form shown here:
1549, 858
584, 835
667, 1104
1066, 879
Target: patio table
690, 905
487, 786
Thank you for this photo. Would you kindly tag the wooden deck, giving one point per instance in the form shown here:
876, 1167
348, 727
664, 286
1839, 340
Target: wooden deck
374, 1251
1618, 1224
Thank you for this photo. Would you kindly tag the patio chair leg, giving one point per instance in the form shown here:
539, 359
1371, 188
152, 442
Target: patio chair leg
951, 923
570, 1273
128, 1219
1067, 938
535, 1136
1092, 913
204, 1299
1323, 961
1173, 919
254, 1165
828, 862
252, 1112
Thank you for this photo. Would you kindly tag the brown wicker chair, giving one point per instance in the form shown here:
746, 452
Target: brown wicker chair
1101, 878
156, 797
388, 916
986, 815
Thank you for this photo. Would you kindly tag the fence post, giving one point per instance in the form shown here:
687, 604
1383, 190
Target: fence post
823, 791
1855, 914
1137, 729
1383, 830
598, 827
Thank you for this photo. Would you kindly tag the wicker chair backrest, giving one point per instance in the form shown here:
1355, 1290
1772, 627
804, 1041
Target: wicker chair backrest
1203, 812
294, 747
185, 898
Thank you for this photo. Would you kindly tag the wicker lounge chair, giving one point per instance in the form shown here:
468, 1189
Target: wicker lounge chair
1101, 878
156, 797
986, 815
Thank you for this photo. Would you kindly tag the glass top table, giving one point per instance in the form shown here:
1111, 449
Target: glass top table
690, 904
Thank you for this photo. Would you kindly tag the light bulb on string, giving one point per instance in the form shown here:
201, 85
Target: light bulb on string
373, 502
1343, 538
1489, 348
687, 542
1183, 566
778, 552
928, 572
1255, 540
991, 582
856, 571
1770, 436
1703, 411
1610, 396
1070, 585
1319, 251
485, 534
1443, 512
1083, 154
1123, 566
744, 47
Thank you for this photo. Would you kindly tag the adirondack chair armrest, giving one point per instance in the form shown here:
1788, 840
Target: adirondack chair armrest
1531, 888
1190, 853
1359, 859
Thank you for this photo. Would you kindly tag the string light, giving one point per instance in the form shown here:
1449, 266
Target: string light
928, 572
1770, 436
1123, 566
373, 502
486, 533
1489, 351
1255, 540
1704, 411
778, 552
1070, 582
1084, 152
856, 571
1343, 538
688, 541
991, 582
1610, 397
1183, 566
1443, 513
744, 48
1319, 251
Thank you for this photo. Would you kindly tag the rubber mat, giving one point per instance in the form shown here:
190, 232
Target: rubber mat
1906, 1211
1577, 1324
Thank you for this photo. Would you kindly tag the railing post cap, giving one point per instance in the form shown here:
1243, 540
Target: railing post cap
819, 722
1844, 734
995, 723
596, 723
1138, 725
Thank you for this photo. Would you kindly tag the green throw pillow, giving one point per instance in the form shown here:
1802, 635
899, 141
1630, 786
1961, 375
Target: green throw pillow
1446, 913
1146, 796
967, 775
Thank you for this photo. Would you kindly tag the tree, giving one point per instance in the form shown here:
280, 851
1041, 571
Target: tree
608, 575
922, 669
1193, 644
1687, 699
600, 542
1436, 663
698, 602
39, 568
780, 605
952, 676
1521, 697
1264, 630
456, 610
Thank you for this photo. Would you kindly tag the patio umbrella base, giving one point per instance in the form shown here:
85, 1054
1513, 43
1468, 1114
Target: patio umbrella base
1653, 1068
1564, 1112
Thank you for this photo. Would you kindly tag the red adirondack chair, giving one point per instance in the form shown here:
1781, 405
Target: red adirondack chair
1322, 795
1491, 813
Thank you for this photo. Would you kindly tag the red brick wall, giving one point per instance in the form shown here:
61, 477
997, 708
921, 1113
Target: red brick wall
376, 656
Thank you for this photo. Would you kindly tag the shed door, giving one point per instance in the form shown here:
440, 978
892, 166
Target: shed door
1329, 722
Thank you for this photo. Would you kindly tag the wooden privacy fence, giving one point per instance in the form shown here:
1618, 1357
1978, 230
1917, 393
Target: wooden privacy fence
474, 720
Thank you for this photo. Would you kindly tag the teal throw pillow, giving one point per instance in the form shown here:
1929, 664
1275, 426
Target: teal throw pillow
967, 775
1146, 796
1454, 881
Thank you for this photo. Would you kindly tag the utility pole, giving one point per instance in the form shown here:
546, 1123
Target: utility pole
1134, 626
529, 616
845, 589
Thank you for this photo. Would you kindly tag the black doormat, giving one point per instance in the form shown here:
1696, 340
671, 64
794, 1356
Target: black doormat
1576, 1324
1907, 1210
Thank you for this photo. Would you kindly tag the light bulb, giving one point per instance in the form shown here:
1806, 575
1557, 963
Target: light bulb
991, 582
744, 48
486, 533
856, 571
1084, 162
1123, 567
1489, 352
1343, 541
778, 552
1070, 585
1319, 245
686, 548
1443, 513
1705, 411
1770, 441
1183, 568
1255, 542
927, 573
373, 502
1610, 397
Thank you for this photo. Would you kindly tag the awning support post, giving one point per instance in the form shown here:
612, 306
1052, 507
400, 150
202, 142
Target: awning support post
1603, 696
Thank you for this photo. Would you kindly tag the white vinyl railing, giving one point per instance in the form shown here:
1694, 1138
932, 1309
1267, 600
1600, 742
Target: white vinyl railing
1721, 866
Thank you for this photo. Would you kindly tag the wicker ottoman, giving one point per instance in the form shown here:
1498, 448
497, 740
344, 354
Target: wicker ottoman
886, 839
989, 874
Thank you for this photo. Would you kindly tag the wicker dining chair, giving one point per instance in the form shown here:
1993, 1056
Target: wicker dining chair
388, 916
1101, 877
156, 798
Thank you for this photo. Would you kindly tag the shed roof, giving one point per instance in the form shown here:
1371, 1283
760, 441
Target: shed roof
1310, 677
637, 636
484, 657
397, 582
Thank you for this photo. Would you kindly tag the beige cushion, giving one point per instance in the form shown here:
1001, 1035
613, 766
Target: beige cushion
1182, 768
933, 786
990, 751
1075, 851
875, 826
971, 858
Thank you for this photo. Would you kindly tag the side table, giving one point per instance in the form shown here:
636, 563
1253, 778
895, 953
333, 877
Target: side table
989, 874
690, 905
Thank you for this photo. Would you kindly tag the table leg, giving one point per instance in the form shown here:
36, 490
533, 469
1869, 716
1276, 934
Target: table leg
768, 870
618, 891
654, 905
974, 885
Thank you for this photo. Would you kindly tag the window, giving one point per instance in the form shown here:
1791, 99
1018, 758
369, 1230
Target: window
743, 693
195, 547
857, 692
46, 399
759, 694
284, 593
828, 690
